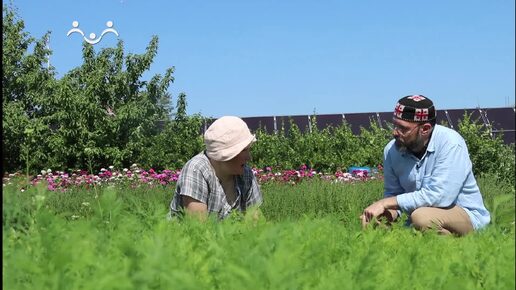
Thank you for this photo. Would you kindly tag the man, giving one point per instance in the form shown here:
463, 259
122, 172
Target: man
428, 174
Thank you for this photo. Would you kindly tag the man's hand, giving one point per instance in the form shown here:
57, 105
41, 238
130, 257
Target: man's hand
384, 207
372, 211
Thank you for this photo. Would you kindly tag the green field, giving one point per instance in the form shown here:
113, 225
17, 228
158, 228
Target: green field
310, 238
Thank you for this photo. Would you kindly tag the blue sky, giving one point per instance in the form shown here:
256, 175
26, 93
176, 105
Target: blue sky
282, 57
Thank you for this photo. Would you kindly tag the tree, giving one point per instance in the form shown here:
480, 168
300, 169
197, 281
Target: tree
98, 114
102, 110
179, 140
26, 82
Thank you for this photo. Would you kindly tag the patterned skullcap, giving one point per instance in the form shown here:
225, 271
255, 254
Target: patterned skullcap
415, 108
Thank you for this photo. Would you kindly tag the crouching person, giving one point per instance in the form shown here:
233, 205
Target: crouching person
428, 174
218, 181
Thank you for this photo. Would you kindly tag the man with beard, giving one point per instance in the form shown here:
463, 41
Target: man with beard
428, 174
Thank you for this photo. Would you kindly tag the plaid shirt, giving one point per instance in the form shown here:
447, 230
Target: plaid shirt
198, 180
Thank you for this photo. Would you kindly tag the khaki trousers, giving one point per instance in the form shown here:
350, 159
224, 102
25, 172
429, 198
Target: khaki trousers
452, 220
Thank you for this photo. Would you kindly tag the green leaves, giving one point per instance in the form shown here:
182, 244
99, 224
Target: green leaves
488, 155
26, 83
105, 107
326, 150
179, 140
122, 240
101, 107
502, 210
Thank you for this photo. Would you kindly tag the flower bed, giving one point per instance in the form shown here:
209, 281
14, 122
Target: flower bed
135, 176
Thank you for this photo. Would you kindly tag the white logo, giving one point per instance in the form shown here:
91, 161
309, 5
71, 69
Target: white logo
92, 39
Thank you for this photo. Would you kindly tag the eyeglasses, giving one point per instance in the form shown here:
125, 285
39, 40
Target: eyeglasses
402, 130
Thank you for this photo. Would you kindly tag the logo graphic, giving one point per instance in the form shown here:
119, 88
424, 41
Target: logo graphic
91, 39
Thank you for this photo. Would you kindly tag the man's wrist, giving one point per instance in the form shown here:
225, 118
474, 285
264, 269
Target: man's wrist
383, 202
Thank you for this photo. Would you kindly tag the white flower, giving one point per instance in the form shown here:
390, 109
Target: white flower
43, 172
111, 167
125, 169
49, 170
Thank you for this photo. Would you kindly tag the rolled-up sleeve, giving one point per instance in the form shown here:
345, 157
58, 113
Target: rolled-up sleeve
192, 183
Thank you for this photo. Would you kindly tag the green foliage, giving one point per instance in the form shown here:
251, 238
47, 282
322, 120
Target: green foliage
319, 198
270, 149
179, 141
499, 196
311, 239
26, 83
103, 112
98, 114
489, 155
324, 150
332, 149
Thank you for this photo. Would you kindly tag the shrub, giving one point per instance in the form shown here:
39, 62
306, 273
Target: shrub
176, 143
488, 154
327, 150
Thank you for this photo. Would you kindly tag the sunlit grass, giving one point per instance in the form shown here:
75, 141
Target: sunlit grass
310, 238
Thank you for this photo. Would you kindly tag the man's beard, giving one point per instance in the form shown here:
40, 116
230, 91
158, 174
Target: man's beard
410, 146
400, 146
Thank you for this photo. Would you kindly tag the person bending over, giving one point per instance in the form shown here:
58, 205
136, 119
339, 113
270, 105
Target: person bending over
218, 181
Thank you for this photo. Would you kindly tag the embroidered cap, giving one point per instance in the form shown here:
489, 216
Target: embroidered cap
415, 108
227, 137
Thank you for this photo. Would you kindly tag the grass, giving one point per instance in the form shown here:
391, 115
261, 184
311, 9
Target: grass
119, 238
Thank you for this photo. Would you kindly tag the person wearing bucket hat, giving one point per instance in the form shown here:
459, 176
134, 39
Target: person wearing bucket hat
217, 180
428, 174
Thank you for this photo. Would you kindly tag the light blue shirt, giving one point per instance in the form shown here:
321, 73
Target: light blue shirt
441, 178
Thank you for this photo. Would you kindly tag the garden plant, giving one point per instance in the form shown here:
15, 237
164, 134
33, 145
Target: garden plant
90, 162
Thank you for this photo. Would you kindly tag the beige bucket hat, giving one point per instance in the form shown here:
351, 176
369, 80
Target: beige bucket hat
227, 137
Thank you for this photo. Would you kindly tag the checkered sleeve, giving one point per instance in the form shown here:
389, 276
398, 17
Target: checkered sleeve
192, 181
253, 194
